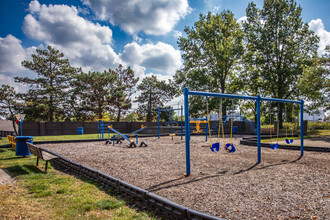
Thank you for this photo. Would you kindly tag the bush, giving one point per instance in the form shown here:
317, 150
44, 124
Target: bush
318, 125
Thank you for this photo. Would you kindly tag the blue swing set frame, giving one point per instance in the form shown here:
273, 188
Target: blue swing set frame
258, 100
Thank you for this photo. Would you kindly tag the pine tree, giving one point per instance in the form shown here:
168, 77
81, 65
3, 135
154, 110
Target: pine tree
46, 95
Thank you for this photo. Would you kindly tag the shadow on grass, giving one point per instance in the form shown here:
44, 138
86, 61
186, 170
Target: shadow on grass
129, 201
18, 170
16, 157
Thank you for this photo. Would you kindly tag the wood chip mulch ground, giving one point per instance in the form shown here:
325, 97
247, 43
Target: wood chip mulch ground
232, 186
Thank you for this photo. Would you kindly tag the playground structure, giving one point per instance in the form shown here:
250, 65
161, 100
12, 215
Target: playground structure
257, 99
236, 117
172, 134
20, 119
128, 137
289, 141
199, 121
102, 127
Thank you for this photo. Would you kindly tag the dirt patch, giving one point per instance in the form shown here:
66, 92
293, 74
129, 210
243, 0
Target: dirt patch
232, 186
5, 178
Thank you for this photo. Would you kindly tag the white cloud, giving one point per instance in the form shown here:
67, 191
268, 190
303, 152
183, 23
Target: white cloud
213, 6
85, 43
156, 17
160, 57
34, 6
137, 38
318, 27
11, 55
242, 19
177, 34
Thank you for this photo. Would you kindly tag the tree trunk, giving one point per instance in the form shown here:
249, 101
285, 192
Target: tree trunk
280, 116
14, 121
224, 107
118, 115
51, 104
149, 114
100, 112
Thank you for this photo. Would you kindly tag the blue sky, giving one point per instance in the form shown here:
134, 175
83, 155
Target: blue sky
98, 35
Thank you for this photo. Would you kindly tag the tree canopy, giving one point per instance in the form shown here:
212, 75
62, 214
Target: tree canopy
10, 104
47, 92
154, 94
279, 48
124, 89
211, 52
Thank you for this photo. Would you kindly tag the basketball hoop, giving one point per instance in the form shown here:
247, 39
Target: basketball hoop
20, 117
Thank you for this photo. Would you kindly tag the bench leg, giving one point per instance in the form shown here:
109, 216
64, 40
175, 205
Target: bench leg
46, 166
37, 161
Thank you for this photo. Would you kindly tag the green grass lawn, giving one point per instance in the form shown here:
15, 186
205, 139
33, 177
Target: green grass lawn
60, 137
310, 134
55, 195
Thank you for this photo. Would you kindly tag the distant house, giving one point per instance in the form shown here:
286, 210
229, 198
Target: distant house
314, 117
6, 128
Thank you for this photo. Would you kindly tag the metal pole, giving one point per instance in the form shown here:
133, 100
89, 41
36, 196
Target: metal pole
102, 129
20, 125
206, 130
302, 128
158, 123
171, 122
240, 120
187, 130
258, 128
181, 122
206, 117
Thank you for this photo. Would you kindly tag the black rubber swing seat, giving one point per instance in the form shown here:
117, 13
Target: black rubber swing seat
143, 144
132, 145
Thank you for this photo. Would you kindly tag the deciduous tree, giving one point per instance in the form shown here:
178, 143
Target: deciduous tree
9, 104
211, 51
280, 47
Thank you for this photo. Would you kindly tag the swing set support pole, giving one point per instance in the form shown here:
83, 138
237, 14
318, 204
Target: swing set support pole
258, 129
302, 127
187, 130
181, 121
158, 123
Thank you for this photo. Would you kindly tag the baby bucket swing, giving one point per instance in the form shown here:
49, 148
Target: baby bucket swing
213, 146
287, 140
216, 146
230, 147
273, 146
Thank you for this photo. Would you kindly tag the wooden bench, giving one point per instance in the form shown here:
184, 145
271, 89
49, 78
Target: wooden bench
40, 154
11, 140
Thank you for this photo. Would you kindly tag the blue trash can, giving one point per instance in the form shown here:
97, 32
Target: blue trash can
80, 130
21, 147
